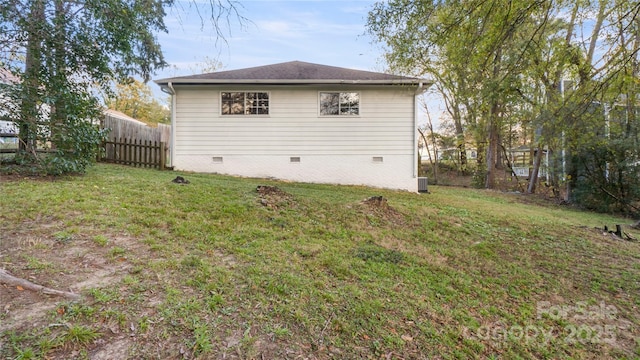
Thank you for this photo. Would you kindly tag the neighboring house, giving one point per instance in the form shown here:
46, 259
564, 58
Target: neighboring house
9, 107
298, 121
122, 116
8, 129
453, 153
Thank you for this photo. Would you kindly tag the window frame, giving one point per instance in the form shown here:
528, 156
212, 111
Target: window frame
244, 109
339, 114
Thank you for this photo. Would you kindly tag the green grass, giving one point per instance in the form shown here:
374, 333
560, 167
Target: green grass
451, 274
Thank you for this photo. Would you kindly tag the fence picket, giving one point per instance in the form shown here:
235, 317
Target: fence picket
135, 144
131, 143
136, 152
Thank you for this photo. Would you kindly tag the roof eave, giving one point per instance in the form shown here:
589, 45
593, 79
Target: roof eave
178, 81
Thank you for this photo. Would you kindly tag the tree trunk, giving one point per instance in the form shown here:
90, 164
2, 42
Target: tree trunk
533, 178
494, 137
499, 154
492, 148
426, 146
58, 111
434, 163
491, 158
31, 83
460, 143
558, 75
596, 31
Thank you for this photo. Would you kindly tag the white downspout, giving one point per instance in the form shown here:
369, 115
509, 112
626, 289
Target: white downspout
418, 91
173, 123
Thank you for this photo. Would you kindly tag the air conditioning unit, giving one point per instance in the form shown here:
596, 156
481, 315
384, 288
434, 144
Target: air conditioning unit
422, 185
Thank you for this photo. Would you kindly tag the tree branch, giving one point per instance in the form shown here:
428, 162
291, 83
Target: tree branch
8, 279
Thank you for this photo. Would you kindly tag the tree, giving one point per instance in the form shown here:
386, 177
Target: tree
471, 48
61, 49
432, 155
136, 100
207, 65
502, 64
605, 168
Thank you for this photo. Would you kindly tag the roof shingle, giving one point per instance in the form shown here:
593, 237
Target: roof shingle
292, 72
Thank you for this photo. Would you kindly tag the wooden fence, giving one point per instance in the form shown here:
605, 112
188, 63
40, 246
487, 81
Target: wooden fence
123, 127
135, 152
134, 143
129, 142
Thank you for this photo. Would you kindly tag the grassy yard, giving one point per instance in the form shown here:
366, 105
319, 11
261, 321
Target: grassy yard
214, 269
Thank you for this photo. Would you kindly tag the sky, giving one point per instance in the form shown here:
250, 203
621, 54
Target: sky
323, 32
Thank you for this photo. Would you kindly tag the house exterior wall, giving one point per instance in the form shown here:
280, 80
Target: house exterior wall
375, 148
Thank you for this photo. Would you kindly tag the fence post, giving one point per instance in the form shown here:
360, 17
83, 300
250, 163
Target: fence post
163, 156
145, 159
135, 152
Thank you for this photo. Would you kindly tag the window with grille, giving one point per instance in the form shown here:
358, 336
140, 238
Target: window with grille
339, 103
245, 103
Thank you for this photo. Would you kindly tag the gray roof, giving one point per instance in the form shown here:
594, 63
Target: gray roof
294, 72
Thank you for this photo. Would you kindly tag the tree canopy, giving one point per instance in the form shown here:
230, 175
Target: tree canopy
60, 50
136, 100
556, 71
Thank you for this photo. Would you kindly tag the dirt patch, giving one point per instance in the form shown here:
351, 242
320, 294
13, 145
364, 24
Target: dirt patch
378, 207
266, 190
37, 253
116, 349
274, 198
73, 265
612, 233
9, 172
378, 202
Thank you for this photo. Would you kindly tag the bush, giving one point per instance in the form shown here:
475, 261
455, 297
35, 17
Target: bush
77, 146
607, 179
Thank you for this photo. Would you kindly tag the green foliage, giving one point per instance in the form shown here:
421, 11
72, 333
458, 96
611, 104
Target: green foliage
101, 240
515, 73
53, 92
136, 100
80, 335
608, 180
202, 342
25, 354
479, 178
77, 144
60, 53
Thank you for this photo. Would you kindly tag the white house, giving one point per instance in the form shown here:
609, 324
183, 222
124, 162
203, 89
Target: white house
8, 129
298, 121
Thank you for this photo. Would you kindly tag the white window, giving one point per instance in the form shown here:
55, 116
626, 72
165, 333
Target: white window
339, 103
245, 103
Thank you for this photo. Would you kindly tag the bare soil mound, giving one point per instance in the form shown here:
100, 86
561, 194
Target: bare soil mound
274, 198
378, 206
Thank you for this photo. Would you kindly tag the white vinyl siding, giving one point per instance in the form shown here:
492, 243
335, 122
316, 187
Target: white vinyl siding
385, 125
294, 141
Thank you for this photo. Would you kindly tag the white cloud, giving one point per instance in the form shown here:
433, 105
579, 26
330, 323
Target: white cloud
325, 32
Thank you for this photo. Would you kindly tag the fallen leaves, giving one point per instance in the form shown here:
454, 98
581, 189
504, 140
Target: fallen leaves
406, 338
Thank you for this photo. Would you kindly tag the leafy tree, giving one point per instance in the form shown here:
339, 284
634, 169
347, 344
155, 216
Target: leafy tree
60, 50
136, 100
471, 48
502, 66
